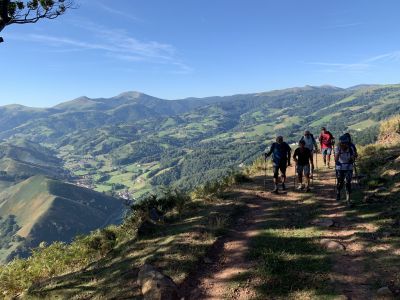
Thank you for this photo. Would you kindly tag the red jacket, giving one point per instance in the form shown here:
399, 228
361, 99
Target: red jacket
326, 139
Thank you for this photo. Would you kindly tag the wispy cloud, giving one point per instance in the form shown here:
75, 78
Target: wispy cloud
117, 12
115, 44
386, 57
344, 25
343, 66
359, 67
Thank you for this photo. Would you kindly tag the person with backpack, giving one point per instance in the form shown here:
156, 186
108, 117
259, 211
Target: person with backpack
304, 159
347, 136
327, 142
310, 141
344, 160
280, 151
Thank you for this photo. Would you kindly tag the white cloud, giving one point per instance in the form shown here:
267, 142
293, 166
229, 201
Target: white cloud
114, 43
117, 12
386, 57
344, 25
343, 66
362, 66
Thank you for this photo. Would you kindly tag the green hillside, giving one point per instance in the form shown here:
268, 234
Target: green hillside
21, 159
46, 210
294, 245
134, 142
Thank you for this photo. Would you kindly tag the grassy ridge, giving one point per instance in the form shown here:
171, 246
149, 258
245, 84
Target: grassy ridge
105, 263
49, 210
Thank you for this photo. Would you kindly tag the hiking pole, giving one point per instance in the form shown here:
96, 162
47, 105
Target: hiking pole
265, 173
356, 174
312, 177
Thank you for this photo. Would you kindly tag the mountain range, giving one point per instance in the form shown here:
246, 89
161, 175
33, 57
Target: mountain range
105, 149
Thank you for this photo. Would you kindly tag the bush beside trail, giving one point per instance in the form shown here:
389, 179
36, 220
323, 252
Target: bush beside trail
170, 206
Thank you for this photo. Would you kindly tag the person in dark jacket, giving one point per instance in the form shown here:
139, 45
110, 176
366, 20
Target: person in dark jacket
304, 164
280, 152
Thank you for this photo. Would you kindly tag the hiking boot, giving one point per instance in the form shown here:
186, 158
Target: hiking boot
283, 187
347, 197
300, 187
275, 190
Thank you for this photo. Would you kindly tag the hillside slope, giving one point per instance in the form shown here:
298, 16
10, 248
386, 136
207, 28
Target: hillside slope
290, 246
133, 142
46, 210
22, 158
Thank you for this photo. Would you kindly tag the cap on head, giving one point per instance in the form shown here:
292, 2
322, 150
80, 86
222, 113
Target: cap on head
279, 139
307, 132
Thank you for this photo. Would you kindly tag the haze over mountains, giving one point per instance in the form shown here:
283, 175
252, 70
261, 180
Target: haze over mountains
130, 144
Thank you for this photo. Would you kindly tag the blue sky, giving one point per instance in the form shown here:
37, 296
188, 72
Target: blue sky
180, 48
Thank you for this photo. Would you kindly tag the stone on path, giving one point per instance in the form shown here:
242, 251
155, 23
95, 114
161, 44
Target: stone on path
155, 285
332, 245
384, 292
323, 222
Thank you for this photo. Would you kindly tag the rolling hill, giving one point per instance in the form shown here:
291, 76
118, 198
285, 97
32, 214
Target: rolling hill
129, 145
46, 210
134, 142
22, 159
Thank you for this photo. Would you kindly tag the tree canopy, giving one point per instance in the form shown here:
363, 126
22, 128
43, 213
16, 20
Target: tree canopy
31, 11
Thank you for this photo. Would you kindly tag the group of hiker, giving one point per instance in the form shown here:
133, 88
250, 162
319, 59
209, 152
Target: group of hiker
345, 154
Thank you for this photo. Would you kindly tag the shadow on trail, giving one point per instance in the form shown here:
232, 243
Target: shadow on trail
290, 261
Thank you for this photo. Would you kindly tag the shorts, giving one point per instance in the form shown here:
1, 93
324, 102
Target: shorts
303, 169
326, 151
281, 167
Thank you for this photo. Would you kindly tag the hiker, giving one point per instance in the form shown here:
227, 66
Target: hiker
310, 141
327, 141
280, 151
303, 158
344, 159
350, 142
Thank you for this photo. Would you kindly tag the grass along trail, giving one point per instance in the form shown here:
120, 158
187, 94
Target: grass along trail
294, 245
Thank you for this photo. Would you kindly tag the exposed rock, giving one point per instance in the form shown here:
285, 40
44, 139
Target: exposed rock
155, 285
381, 189
370, 198
384, 292
332, 245
342, 297
323, 222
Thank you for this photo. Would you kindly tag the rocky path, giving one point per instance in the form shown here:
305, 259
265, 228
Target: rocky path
228, 261
342, 238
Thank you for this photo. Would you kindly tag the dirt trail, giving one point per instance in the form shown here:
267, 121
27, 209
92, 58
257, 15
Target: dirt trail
348, 274
227, 261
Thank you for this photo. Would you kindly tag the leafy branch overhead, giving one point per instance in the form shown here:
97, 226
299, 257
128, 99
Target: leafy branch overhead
23, 12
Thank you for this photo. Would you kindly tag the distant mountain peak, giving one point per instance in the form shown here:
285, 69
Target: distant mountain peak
131, 94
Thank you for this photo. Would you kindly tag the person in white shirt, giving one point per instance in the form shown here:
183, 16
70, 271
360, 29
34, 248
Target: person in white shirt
310, 141
344, 159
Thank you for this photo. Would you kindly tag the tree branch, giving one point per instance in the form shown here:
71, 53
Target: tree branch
31, 14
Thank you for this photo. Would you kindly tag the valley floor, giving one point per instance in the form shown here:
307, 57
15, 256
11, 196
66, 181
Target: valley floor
294, 245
